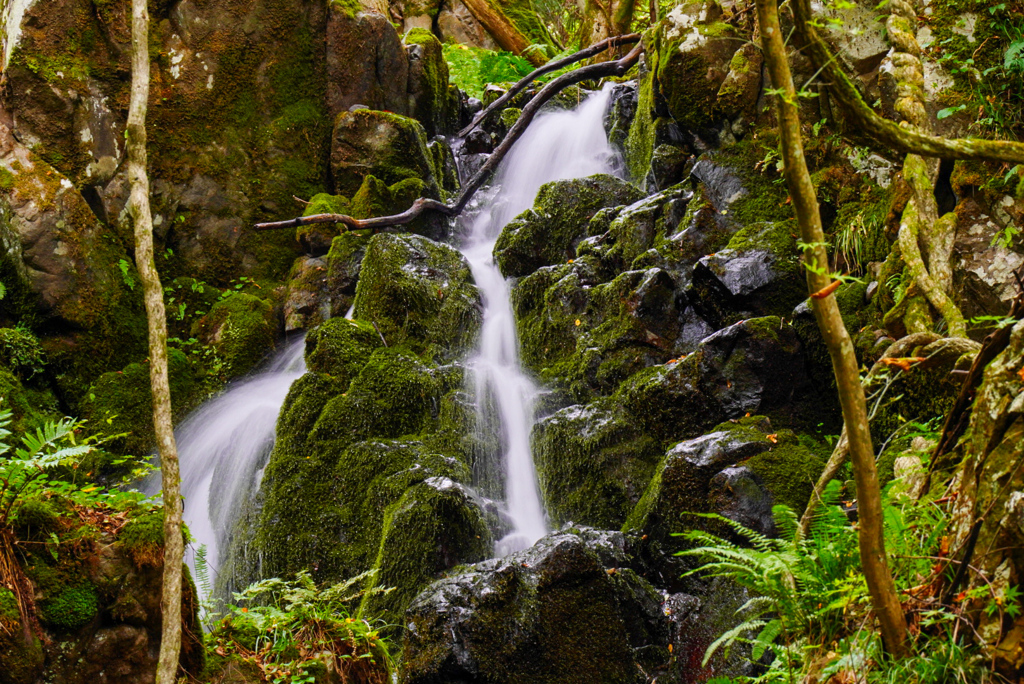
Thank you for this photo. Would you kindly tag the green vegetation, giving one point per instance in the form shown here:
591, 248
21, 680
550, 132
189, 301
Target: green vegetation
473, 68
294, 632
809, 609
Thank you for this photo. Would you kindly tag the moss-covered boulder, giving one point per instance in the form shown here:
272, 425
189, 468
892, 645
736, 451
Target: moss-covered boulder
589, 338
30, 405
593, 463
436, 525
418, 292
548, 233
757, 274
755, 367
566, 611
121, 402
241, 329
388, 146
433, 101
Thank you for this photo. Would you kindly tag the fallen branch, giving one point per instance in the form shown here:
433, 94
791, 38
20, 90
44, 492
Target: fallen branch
593, 71
554, 65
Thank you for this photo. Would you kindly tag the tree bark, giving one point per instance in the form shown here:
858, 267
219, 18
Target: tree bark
844, 361
504, 32
170, 602
593, 71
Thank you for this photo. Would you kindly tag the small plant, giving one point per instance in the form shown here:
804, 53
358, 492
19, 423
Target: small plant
126, 273
294, 631
21, 352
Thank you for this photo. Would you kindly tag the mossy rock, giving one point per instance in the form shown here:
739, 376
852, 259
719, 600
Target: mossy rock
418, 293
593, 463
30, 407
73, 607
241, 329
121, 402
547, 234
387, 146
35, 519
757, 274
434, 102
436, 525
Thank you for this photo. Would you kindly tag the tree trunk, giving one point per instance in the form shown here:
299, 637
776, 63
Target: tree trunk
170, 603
844, 361
504, 32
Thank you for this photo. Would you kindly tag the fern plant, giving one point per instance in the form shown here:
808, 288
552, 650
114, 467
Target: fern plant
810, 596
294, 631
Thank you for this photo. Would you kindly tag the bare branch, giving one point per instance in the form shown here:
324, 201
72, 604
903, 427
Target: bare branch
554, 65
587, 73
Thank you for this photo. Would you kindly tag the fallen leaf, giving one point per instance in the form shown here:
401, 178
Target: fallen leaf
577, 322
827, 290
773, 438
1021, 373
903, 363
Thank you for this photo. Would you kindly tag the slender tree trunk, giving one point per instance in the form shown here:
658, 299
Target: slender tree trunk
844, 361
170, 603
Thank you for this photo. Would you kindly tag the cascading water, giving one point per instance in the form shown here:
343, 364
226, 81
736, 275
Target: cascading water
223, 447
556, 146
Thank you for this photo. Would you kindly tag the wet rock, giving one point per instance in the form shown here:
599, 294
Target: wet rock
387, 146
566, 610
593, 463
738, 95
302, 304
366, 63
738, 494
757, 274
755, 366
621, 112
418, 292
478, 142
547, 234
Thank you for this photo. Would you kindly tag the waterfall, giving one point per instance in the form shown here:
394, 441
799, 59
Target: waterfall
557, 145
223, 447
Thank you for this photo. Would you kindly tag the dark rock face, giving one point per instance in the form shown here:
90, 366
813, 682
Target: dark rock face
566, 611
389, 147
366, 63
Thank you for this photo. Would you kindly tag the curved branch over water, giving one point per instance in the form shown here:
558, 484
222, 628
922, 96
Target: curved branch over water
587, 73
554, 65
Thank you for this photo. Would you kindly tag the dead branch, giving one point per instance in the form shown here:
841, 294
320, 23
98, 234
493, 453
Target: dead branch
586, 73
554, 65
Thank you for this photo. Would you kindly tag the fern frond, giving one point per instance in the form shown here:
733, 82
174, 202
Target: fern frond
730, 637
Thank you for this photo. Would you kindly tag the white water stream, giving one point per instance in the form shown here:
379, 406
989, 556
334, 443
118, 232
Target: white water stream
224, 445
557, 145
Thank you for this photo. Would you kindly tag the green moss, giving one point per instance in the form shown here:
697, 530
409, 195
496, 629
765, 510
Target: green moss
418, 293
640, 141
790, 468
71, 608
593, 464
434, 526
120, 403
142, 539
340, 348
35, 519
30, 408
241, 328
6, 180
547, 233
